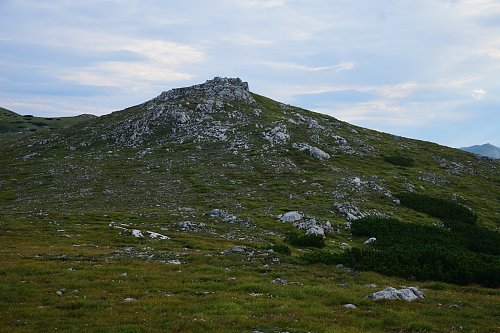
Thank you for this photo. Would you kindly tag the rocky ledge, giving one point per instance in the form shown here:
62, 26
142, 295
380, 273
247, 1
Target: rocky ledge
219, 88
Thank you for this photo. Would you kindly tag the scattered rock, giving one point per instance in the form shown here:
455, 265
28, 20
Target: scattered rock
156, 235
190, 226
225, 216
174, 262
276, 136
235, 249
350, 306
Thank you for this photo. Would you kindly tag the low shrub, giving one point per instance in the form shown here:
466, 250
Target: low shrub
450, 212
279, 248
399, 160
305, 240
417, 251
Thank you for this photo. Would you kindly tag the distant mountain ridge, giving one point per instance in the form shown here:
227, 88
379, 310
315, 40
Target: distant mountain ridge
487, 149
12, 122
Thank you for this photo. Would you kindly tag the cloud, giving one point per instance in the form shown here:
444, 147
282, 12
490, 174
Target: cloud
478, 94
157, 60
292, 66
263, 3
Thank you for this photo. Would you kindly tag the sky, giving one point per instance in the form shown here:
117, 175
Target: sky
425, 69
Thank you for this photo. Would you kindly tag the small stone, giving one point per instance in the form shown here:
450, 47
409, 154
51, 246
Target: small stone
350, 306
370, 240
279, 281
129, 299
137, 233
174, 262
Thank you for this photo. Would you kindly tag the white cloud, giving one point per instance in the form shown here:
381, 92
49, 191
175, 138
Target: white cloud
478, 94
292, 66
158, 60
263, 3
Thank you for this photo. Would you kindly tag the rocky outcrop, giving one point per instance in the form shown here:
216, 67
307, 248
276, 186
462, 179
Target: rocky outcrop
406, 293
220, 88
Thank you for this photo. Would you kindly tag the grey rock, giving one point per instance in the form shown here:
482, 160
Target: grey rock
279, 281
370, 240
318, 153
350, 306
291, 216
129, 299
406, 293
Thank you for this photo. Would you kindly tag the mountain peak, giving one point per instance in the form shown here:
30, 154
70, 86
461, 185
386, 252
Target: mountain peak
486, 149
219, 88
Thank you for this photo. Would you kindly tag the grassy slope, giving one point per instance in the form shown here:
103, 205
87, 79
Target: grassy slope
56, 207
11, 122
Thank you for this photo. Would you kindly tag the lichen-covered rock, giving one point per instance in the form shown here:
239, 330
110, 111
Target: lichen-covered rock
406, 293
291, 217
225, 216
316, 230
318, 153
218, 88
276, 136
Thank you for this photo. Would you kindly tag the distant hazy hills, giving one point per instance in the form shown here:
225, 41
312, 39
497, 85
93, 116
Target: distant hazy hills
484, 150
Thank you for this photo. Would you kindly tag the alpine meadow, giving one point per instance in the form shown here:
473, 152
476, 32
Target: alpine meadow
211, 208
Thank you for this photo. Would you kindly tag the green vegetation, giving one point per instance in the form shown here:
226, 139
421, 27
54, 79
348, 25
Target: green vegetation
304, 240
279, 248
417, 251
11, 122
450, 212
399, 160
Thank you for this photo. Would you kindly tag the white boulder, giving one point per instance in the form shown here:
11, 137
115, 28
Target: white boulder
318, 153
291, 217
406, 293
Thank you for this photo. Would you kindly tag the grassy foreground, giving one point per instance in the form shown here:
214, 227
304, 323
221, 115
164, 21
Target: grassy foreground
95, 269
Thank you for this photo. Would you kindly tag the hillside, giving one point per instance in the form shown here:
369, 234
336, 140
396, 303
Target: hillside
11, 122
182, 213
487, 149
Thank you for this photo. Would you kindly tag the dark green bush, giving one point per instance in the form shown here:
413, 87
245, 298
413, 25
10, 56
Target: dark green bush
420, 252
399, 160
279, 248
450, 212
304, 240
40, 123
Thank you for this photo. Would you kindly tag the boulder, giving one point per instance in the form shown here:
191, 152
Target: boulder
406, 293
316, 230
318, 153
291, 217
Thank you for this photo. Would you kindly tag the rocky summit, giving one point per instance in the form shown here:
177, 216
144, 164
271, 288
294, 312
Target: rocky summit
214, 208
